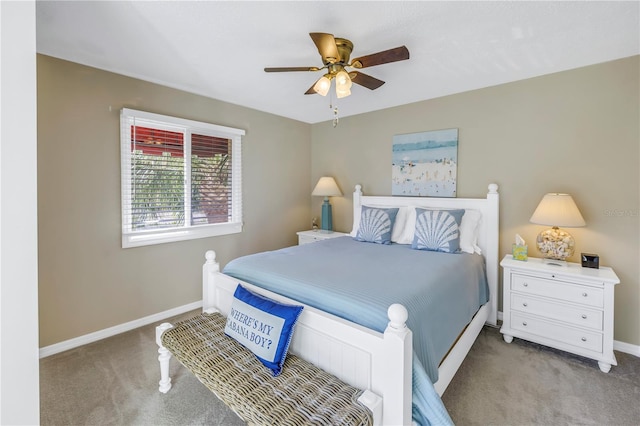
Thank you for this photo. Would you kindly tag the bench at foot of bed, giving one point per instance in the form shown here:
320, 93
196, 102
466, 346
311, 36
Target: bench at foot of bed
301, 394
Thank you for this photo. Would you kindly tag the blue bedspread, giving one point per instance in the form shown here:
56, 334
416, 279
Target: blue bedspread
358, 281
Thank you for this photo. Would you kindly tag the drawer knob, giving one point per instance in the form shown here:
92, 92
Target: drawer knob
584, 294
584, 339
584, 316
525, 284
524, 323
525, 304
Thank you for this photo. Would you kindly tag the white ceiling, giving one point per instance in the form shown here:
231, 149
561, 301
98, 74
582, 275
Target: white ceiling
219, 48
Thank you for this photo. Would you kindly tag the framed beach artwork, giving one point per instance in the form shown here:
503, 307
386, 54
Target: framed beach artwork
425, 164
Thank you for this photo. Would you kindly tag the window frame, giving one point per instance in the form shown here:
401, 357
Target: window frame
131, 238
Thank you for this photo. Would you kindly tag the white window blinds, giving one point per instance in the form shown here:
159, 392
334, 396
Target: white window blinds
181, 179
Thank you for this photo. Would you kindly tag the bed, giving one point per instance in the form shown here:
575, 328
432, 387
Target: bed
367, 346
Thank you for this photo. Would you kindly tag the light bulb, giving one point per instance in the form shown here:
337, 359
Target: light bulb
322, 86
342, 93
342, 79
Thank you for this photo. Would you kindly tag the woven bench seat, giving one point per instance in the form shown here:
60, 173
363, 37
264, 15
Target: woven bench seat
302, 394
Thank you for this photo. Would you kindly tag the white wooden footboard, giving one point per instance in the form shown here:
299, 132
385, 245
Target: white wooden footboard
380, 362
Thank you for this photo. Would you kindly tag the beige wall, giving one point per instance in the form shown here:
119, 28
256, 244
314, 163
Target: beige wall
87, 282
574, 132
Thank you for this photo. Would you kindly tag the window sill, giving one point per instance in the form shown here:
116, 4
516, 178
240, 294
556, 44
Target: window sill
170, 235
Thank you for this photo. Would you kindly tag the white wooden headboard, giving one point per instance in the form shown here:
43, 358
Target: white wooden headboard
487, 233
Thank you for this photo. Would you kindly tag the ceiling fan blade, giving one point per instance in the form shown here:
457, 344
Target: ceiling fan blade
365, 80
286, 69
392, 55
310, 91
327, 48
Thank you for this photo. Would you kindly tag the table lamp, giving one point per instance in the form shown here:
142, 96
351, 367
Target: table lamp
556, 210
326, 187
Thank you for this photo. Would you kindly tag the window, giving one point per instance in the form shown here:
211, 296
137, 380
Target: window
181, 179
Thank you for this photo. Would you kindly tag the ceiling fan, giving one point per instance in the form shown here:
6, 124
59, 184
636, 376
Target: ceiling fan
335, 53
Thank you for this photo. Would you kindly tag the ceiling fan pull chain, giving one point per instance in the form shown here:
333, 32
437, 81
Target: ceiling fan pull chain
335, 114
335, 111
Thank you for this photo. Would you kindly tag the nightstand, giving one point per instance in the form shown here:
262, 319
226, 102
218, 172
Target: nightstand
305, 237
564, 307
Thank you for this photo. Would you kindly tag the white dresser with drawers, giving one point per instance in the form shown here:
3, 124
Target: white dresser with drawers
306, 237
564, 307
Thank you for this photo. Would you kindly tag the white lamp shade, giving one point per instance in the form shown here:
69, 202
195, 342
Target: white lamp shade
557, 210
326, 187
342, 93
322, 86
343, 80
343, 84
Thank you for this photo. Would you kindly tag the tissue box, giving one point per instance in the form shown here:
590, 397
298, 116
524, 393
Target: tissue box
519, 252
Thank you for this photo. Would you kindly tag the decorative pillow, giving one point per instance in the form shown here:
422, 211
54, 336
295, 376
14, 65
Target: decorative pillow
469, 231
402, 232
263, 326
376, 225
437, 230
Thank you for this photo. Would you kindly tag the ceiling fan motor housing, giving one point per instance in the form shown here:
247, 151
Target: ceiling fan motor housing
345, 47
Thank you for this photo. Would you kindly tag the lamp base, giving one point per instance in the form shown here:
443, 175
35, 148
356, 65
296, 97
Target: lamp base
327, 220
554, 262
555, 245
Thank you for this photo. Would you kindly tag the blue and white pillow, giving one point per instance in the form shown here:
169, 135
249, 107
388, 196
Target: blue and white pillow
437, 230
263, 326
376, 225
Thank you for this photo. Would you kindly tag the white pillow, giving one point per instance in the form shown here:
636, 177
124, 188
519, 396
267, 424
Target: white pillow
469, 231
405, 233
399, 227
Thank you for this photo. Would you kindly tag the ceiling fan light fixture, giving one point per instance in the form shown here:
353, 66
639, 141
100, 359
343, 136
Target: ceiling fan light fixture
322, 86
342, 93
336, 53
343, 84
343, 80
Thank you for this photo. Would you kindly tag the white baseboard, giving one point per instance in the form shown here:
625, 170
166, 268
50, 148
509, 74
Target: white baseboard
627, 348
112, 331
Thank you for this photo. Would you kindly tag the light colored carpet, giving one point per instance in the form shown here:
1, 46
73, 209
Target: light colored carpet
523, 383
115, 382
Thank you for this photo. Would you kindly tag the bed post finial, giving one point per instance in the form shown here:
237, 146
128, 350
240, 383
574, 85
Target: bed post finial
399, 346
357, 203
491, 254
210, 255
398, 315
